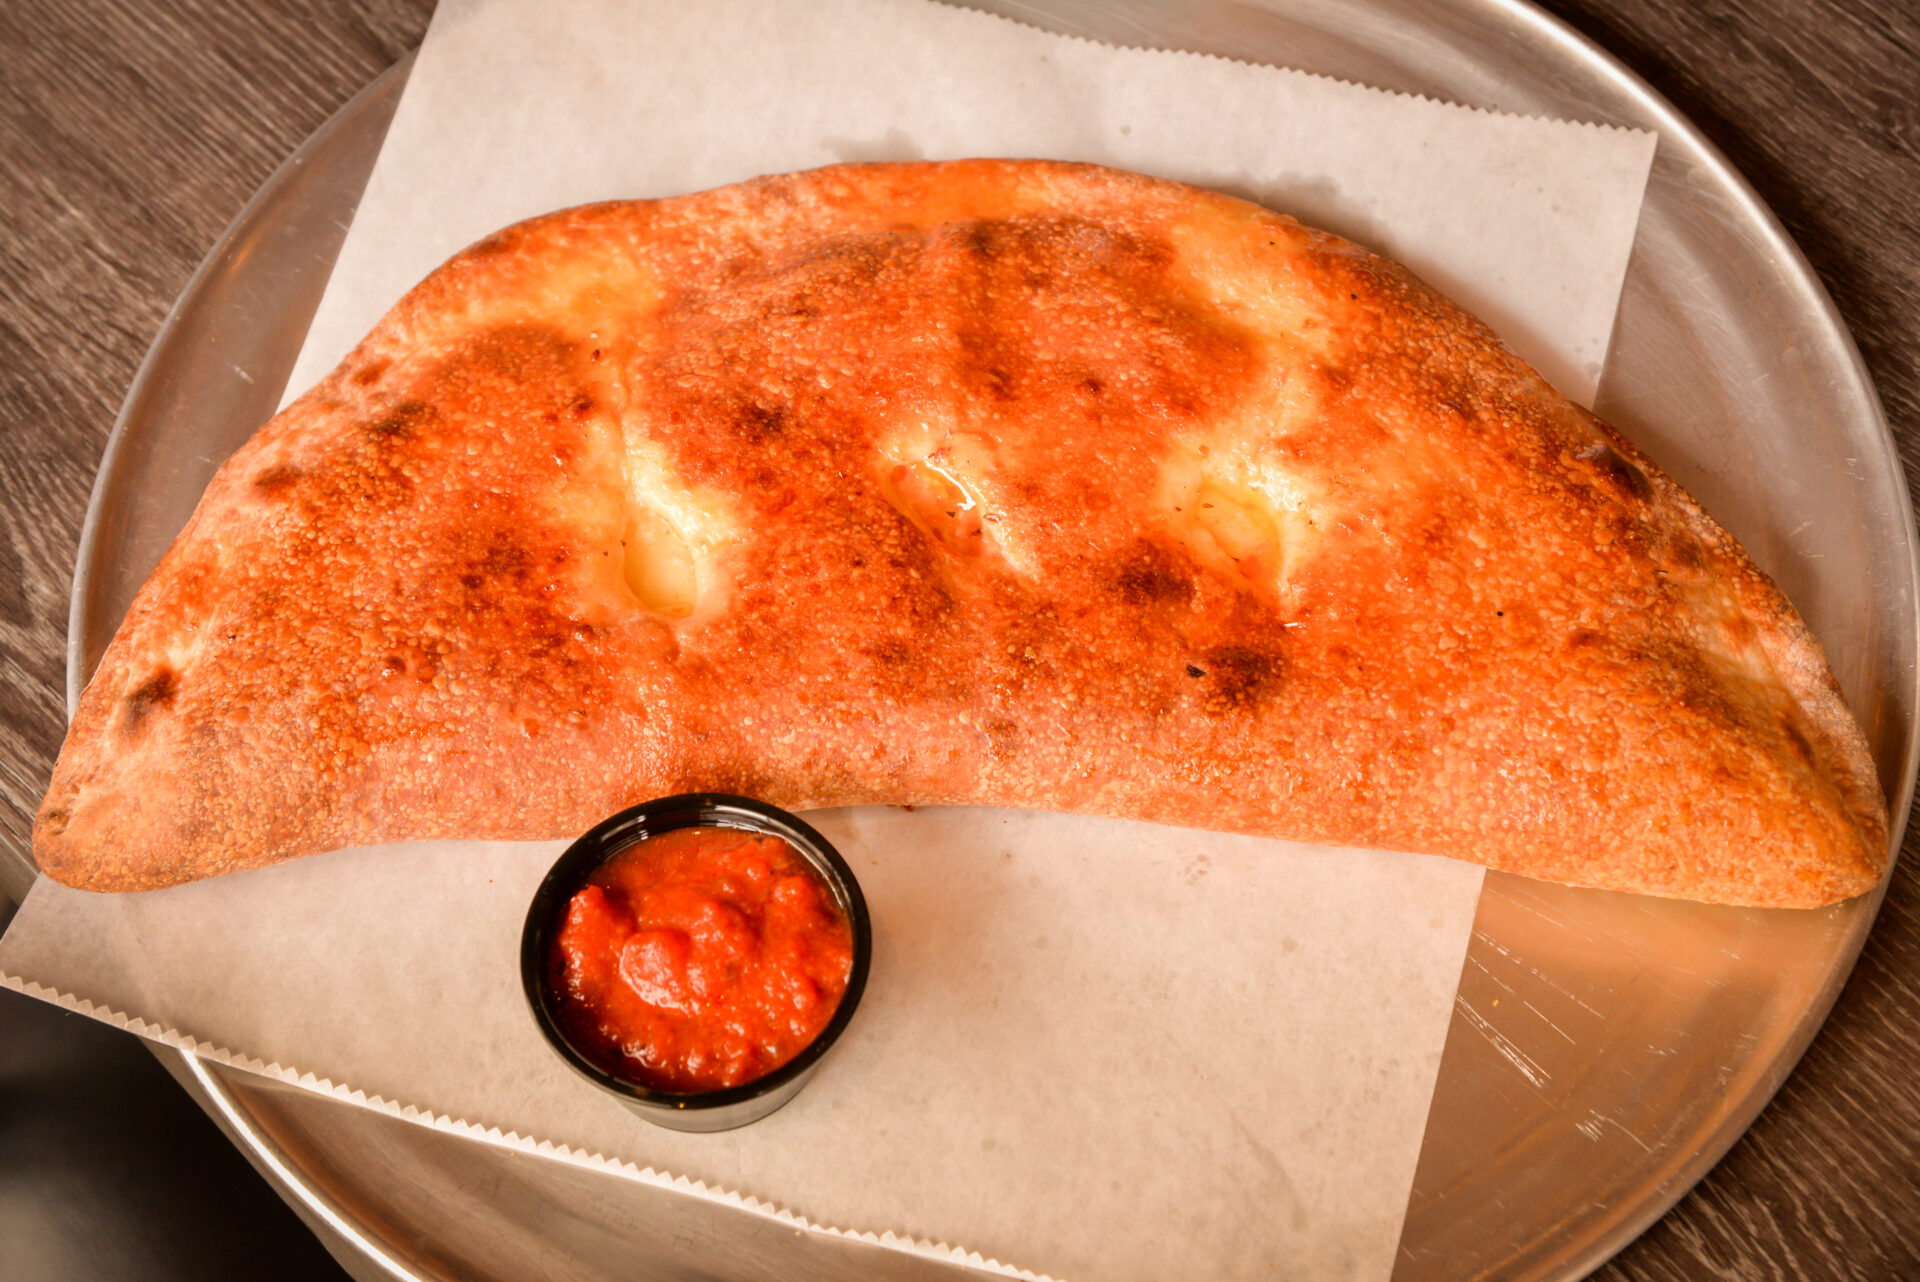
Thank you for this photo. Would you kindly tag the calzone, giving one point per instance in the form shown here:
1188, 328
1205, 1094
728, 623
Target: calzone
980, 483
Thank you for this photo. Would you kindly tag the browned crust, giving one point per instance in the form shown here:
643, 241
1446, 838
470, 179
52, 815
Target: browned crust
1487, 627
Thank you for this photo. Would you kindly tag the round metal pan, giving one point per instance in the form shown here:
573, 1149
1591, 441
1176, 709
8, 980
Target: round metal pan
1605, 1050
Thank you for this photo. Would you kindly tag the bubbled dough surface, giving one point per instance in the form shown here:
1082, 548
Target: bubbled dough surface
1006, 483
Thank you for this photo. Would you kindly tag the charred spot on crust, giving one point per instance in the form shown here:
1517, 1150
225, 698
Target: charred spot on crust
1243, 675
157, 691
582, 406
890, 654
1148, 574
759, 424
506, 561
978, 239
1620, 475
1333, 381
545, 641
399, 423
369, 374
1627, 532
275, 481
1797, 741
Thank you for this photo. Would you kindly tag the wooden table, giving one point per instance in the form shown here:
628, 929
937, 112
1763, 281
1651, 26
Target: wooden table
133, 132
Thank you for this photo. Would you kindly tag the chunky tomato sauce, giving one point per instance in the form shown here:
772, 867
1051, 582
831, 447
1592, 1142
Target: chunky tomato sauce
701, 958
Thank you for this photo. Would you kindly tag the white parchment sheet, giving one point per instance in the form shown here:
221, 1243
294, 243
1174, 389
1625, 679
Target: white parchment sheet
1089, 1049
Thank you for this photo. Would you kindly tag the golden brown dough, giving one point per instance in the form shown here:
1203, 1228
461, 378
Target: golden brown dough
1005, 483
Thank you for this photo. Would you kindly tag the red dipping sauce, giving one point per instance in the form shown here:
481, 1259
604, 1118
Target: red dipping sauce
700, 958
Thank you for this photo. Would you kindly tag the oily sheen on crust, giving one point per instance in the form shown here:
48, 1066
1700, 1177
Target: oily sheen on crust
1006, 483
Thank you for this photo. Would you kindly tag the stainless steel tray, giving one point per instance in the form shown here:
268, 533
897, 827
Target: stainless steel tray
1605, 1050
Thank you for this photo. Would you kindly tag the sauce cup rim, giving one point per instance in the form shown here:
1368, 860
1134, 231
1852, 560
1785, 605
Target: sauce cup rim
621, 831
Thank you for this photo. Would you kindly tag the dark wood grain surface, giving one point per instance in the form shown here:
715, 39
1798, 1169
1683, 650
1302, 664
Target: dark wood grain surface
132, 131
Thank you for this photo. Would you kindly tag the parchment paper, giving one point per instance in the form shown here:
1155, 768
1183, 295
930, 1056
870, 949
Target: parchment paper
1089, 1048
516, 108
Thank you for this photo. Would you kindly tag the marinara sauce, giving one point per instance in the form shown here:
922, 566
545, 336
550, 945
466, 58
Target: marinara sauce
700, 958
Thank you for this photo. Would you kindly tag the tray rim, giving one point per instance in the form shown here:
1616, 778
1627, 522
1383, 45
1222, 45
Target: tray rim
210, 1083
207, 1082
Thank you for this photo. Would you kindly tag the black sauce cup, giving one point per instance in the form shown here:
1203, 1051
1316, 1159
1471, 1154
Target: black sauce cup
732, 1106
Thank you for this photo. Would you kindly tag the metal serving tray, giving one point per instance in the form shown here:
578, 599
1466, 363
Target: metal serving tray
1605, 1049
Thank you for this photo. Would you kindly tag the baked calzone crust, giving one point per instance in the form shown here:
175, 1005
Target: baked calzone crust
1005, 483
